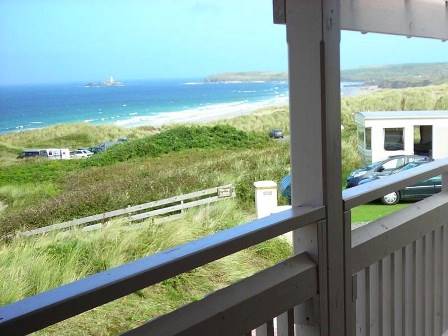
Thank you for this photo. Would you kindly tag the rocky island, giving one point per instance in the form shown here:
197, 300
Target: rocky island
107, 83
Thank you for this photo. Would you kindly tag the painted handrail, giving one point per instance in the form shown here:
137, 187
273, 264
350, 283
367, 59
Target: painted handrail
371, 191
42, 310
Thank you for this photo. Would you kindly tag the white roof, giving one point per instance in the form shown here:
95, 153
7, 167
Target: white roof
381, 115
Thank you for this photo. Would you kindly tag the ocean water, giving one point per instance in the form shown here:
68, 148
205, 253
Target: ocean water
136, 103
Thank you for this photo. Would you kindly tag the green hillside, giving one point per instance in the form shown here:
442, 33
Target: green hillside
399, 76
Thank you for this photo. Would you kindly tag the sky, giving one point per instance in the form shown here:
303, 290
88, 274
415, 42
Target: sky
46, 41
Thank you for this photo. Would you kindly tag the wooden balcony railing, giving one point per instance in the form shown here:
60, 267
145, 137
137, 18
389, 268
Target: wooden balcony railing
400, 262
399, 265
298, 273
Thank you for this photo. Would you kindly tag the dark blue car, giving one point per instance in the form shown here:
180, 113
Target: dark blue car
383, 168
415, 192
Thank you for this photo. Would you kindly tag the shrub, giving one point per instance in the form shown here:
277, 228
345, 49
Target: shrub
177, 139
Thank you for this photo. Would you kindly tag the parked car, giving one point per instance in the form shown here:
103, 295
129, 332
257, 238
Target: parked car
285, 187
276, 133
106, 145
415, 192
29, 153
383, 168
81, 153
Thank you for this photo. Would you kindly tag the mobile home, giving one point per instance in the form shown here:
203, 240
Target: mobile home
386, 133
55, 153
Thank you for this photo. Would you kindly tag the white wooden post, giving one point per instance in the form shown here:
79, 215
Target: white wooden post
265, 198
313, 36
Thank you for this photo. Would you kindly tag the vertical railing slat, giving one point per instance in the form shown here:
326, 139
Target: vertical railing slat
428, 285
375, 309
385, 298
420, 289
406, 291
399, 284
392, 295
261, 330
437, 248
285, 324
368, 301
413, 288
445, 278
361, 302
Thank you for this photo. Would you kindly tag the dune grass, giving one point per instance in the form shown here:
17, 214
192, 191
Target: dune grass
179, 138
99, 189
71, 135
30, 266
40, 193
180, 159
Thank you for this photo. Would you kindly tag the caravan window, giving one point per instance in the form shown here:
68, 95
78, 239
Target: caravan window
393, 139
361, 136
369, 138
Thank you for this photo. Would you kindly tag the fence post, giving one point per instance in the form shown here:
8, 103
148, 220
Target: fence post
265, 198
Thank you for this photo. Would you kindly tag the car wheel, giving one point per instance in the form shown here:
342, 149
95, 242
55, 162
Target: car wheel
391, 199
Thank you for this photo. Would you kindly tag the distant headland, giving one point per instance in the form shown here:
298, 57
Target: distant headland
386, 76
251, 76
107, 83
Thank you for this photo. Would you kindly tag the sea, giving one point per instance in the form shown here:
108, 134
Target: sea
137, 103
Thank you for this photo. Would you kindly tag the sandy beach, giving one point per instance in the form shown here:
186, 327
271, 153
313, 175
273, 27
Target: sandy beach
202, 114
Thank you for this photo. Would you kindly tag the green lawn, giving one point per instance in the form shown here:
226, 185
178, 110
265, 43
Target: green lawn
370, 212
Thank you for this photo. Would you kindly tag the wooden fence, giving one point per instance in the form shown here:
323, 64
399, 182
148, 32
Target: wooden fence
165, 207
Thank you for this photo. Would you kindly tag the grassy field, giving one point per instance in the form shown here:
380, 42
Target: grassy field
399, 75
32, 266
154, 164
39, 193
369, 212
176, 160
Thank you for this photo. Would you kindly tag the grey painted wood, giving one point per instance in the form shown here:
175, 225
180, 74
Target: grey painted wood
337, 269
242, 306
445, 277
420, 288
279, 11
414, 293
368, 192
313, 36
174, 208
44, 309
438, 295
375, 300
409, 18
403, 293
285, 323
375, 240
429, 283
361, 315
260, 331
387, 297
304, 33
368, 307
408, 292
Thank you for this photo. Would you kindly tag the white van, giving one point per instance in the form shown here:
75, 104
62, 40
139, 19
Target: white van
55, 153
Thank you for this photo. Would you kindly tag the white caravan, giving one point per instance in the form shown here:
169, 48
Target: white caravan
55, 153
386, 133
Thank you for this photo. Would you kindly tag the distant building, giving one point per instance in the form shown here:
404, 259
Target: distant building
387, 133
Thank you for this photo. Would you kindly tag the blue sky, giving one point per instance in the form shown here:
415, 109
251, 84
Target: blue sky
81, 40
